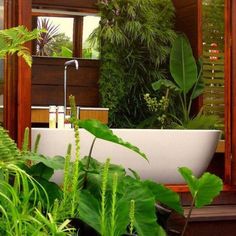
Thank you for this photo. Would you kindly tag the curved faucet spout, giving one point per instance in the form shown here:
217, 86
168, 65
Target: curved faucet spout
72, 62
68, 63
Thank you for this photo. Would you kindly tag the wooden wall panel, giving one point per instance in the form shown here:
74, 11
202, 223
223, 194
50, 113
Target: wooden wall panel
75, 5
48, 80
187, 21
233, 86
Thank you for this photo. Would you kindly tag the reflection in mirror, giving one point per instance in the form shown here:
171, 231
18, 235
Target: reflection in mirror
58, 40
67, 36
1, 65
89, 24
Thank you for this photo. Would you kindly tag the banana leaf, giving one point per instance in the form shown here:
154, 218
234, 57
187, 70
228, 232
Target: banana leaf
183, 67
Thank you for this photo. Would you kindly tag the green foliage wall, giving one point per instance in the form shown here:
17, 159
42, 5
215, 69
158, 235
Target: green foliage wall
135, 38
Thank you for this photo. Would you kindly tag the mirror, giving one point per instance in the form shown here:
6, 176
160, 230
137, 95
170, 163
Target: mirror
67, 35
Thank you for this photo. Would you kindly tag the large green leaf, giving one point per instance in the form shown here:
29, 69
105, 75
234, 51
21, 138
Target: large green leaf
102, 131
165, 195
183, 67
90, 213
56, 162
41, 170
202, 121
157, 85
145, 213
199, 86
204, 189
53, 190
121, 217
89, 210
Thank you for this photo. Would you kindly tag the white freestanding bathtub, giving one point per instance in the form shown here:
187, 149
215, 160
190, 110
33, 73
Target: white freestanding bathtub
166, 150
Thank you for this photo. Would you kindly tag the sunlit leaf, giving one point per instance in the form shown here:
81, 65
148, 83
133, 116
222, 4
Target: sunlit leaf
204, 189
102, 131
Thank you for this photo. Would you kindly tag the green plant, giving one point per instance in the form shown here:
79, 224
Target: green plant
203, 190
12, 41
186, 86
46, 37
112, 202
134, 38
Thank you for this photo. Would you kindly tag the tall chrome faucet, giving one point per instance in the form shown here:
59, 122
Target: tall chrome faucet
68, 63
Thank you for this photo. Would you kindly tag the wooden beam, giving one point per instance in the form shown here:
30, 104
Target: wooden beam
17, 90
77, 36
232, 42
10, 75
88, 6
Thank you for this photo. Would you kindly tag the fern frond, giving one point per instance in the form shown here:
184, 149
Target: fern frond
12, 40
8, 148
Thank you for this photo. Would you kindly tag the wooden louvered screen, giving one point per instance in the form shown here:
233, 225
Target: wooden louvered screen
213, 77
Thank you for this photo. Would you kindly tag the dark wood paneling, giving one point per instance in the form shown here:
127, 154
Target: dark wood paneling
213, 228
227, 93
48, 80
187, 21
10, 75
75, 5
233, 86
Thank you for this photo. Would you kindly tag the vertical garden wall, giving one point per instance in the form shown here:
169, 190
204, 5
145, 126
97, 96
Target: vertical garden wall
135, 39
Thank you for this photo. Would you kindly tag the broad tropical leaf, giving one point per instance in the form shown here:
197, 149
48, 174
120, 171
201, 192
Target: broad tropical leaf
202, 121
199, 87
41, 170
145, 215
53, 190
204, 189
157, 85
56, 162
101, 131
89, 210
165, 195
183, 67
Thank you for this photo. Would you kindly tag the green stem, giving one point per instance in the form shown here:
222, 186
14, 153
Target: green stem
188, 217
66, 183
103, 197
114, 202
183, 104
75, 180
88, 164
